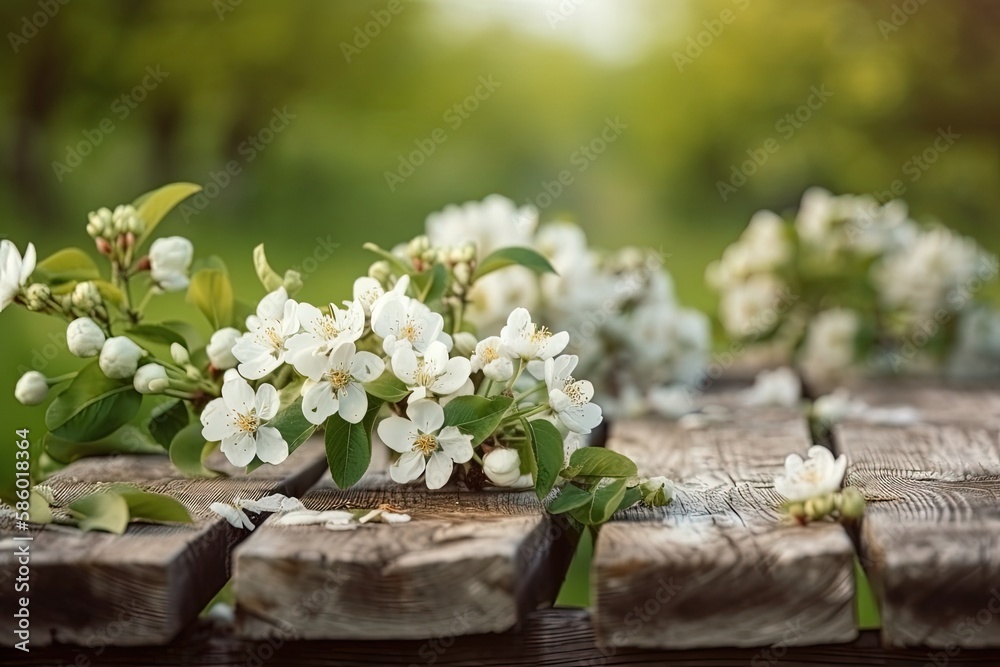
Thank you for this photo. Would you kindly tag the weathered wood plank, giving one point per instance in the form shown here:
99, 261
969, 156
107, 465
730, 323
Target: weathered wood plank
718, 567
930, 539
551, 637
467, 563
143, 586
937, 401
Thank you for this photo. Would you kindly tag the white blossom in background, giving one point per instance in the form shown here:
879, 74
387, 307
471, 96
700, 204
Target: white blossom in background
32, 388
150, 379
778, 387
263, 347
830, 343
854, 224
750, 308
433, 374
120, 357
84, 338
321, 333
569, 398
977, 348
502, 466
424, 445
99, 223
14, 270
125, 218
492, 359
239, 421
818, 475
930, 273
170, 260
220, 348
495, 222
334, 384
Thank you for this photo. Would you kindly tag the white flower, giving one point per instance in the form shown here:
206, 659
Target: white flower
496, 222
502, 466
321, 333
169, 260
32, 388
334, 383
366, 292
263, 347
818, 475
86, 295
491, 358
179, 354
424, 444
829, 347
151, 379
780, 387
84, 338
403, 322
657, 491
120, 358
220, 348
763, 246
569, 398
234, 515
750, 308
525, 339
433, 374
238, 420
14, 271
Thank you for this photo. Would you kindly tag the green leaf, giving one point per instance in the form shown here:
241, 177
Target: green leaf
129, 439
632, 496
394, 261
92, 406
570, 497
152, 506
188, 451
38, 508
431, 284
269, 278
167, 420
192, 337
476, 415
66, 265
293, 425
604, 501
109, 292
598, 462
388, 387
153, 206
156, 333
349, 446
504, 257
547, 451
211, 292
101, 511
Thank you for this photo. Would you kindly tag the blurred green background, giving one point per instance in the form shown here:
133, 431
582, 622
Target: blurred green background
696, 88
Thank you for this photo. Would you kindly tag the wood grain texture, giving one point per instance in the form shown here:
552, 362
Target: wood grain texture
143, 586
930, 538
550, 637
718, 567
938, 401
467, 563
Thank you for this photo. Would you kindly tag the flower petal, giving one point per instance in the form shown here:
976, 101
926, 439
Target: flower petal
405, 365
267, 401
456, 372
454, 443
239, 449
427, 415
439, 469
397, 433
271, 446
407, 468
366, 367
239, 396
28, 263
215, 421
353, 403
318, 402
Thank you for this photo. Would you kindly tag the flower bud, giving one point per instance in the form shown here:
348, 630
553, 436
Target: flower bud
99, 224
86, 296
169, 259
292, 281
126, 219
220, 348
852, 503
103, 246
380, 271
120, 358
150, 379
32, 388
465, 343
462, 272
84, 338
179, 354
819, 507
657, 491
502, 466
37, 296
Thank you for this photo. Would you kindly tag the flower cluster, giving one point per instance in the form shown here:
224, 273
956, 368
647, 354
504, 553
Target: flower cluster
851, 281
811, 487
403, 359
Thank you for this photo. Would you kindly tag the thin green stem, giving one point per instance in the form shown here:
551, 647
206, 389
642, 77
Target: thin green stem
534, 390
61, 378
